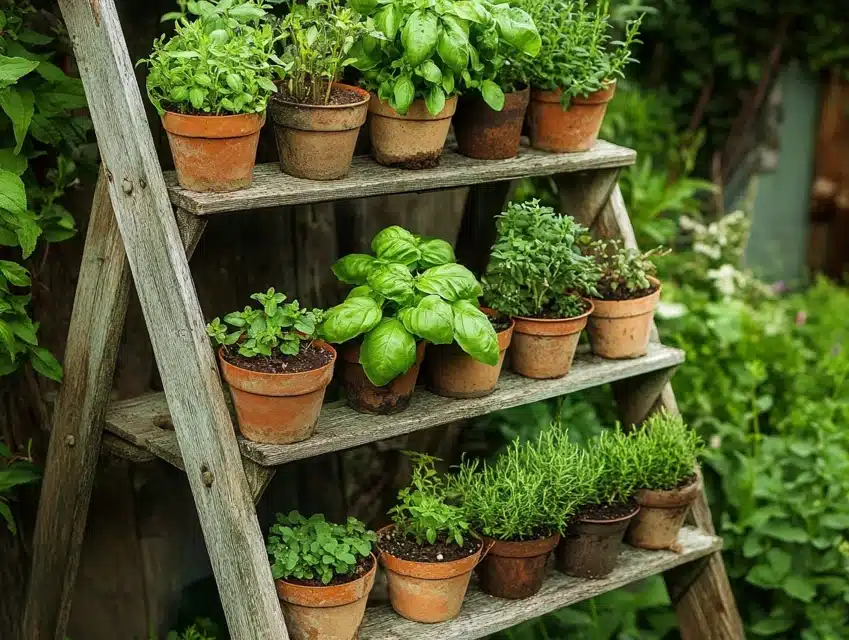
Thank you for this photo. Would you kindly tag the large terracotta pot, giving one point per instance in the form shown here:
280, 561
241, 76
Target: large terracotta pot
545, 348
515, 570
574, 129
487, 134
412, 141
620, 329
427, 591
213, 153
365, 397
661, 516
278, 408
590, 548
455, 374
334, 612
317, 141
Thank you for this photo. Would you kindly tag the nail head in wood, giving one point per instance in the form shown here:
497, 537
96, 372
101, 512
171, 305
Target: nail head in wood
127, 186
207, 477
70, 441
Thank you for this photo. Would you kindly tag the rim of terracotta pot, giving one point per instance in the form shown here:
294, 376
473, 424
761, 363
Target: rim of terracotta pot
279, 384
599, 97
614, 521
672, 498
630, 307
521, 548
428, 570
351, 352
332, 595
504, 336
417, 111
212, 126
366, 96
320, 117
553, 326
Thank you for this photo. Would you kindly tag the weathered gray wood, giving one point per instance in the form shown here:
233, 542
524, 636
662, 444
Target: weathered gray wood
175, 322
477, 229
340, 427
640, 396
271, 188
483, 614
584, 195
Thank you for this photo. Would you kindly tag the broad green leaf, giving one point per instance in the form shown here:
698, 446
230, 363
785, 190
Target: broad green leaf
25, 330
762, 575
471, 10
453, 45
388, 351
388, 20
780, 561
419, 36
435, 252
13, 69
430, 72
27, 232
435, 100
800, 588
15, 273
838, 521
492, 95
402, 94
59, 98
448, 81
474, 332
364, 7
517, 29
432, 319
13, 197
354, 268
350, 319
771, 626
17, 475
394, 282
785, 531
396, 244
450, 281
7, 338
45, 364
6, 514
19, 105
12, 161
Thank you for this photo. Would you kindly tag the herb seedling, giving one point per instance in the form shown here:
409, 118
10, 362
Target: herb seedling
665, 451
624, 272
314, 549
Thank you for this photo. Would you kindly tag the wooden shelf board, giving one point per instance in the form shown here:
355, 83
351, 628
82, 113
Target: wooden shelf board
483, 614
272, 188
141, 420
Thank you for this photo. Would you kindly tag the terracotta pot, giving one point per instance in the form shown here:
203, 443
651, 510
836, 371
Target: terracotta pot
515, 570
487, 134
213, 153
334, 612
455, 374
411, 141
317, 141
278, 408
661, 516
545, 348
590, 548
574, 129
427, 591
621, 329
364, 397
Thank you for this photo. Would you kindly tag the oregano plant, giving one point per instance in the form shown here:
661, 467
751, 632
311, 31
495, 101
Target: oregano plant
625, 272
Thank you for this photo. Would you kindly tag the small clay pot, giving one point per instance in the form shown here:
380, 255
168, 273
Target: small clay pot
453, 373
553, 128
590, 548
515, 570
365, 397
427, 591
334, 612
213, 153
317, 141
620, 329
487, 134
545, 348
278, 408
661, 516
411, 141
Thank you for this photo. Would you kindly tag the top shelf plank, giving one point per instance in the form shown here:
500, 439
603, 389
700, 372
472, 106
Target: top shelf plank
272, 188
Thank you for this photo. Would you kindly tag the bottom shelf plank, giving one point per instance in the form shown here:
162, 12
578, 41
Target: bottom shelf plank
483, 614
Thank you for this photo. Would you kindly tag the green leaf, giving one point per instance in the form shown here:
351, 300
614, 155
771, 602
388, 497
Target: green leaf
13, 197
12, 161
364, 7
432, 319
838, 521
492, 95
402, 94
785, 531
15, 273
388, 351
435, 252
394, 282
19, 105
799, 588
388, 20
435, 100
430, 72
18, 474
13, 69
396, 244
474, 333
419, 36
44, 362
448, 81
780, 561
471, 10
350, 319
771, 626
517, 29
354, 268
450, 281
453, 45
6, 512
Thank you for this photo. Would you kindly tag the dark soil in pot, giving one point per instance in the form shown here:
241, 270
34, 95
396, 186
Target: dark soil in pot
515, 569
310, 357
590, 546
407, 548
364, 565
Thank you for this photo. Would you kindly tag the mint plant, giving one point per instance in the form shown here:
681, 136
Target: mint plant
410, 290
314, 549
666, 451
423, 511
624, 271
219, 63
273, 329
537, 266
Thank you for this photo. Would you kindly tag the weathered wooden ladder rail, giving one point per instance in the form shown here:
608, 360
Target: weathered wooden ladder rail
144, 227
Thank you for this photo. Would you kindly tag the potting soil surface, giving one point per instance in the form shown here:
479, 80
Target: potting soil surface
607, 511
309, 358
406, 548
363, 567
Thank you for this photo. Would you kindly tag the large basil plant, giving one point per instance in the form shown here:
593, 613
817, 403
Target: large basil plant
428, 48
410, 289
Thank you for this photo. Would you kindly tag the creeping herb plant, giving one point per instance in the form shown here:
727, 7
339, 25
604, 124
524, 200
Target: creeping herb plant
314, 549
665, 451
624, 272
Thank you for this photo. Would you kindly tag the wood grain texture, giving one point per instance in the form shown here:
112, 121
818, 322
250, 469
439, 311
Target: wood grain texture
340, 427
175, 322
483, 614
271, 188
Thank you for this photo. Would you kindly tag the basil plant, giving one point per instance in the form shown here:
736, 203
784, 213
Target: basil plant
411, 289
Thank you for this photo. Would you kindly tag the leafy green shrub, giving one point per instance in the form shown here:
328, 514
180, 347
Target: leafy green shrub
411, 288
578, 54
624, 272
536, 265
275, 327
314, 549
219, 63
201, 629
613, 453
423, 511
665, 451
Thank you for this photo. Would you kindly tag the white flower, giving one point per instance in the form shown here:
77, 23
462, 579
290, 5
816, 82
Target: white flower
707, 250
671, 310
725, 279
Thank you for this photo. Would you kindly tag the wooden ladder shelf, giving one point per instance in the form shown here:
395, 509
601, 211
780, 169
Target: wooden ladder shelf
145, 227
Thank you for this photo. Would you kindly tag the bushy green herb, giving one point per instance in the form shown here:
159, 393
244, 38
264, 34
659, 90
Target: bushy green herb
274, 327
568, 469
423, 511
578, 54
410, 289
315, 549
612, 452
219, 63
536, 265
624, 271
665, 450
